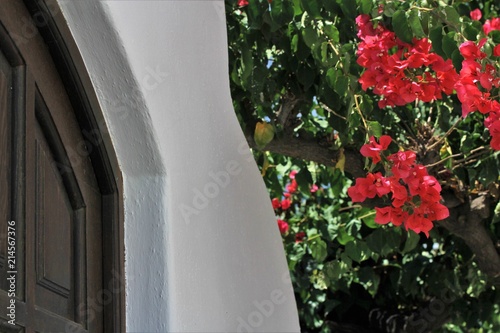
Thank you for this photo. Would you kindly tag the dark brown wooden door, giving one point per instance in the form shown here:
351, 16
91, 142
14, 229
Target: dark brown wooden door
50, 203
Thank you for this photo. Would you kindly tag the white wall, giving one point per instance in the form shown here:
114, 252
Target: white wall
203, 252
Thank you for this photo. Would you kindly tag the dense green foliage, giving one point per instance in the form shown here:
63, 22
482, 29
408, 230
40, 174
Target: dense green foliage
293, 65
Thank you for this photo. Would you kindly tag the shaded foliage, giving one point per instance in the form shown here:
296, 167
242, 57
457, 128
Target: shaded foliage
293, 66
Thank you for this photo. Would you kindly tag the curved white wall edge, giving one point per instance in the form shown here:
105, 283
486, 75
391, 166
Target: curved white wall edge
203, 252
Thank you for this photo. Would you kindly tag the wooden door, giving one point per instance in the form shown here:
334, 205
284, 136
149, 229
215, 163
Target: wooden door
51, 264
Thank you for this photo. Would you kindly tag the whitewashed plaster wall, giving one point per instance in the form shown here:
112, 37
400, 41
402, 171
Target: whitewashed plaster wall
203, 252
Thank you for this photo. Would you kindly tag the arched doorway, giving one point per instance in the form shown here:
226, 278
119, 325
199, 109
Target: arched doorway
60, 258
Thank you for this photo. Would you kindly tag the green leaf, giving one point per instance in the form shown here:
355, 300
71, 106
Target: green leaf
306, 76
436, 36
357, 250
366, 105
318, 250
389, 9
449, 44
263, 134
343, 237
401, 27
470, 32
384, 241
312, 8
369, 221
495, 35
246, 66
347, 7
341, 85
452, 15
297, 7
294, 43
496, 214
331, 77
310, 36
369, 279
374, 128
335, 269
415, 23
489, 170
254, 12
365, 6
281, 13
456, 58
425, 20
412, 240
332, 32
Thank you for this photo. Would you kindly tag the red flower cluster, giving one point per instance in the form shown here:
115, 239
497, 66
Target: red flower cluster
286, 203
402, 73
491, 24
283, 226
476, 14
398, 71
478, 78
299, 237
415, 194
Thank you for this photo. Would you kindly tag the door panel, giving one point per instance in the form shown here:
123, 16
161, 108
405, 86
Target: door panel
57, 202
53, 235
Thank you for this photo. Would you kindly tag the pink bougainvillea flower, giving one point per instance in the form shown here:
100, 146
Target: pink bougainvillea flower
374, 148
496, 51
276, 203
355, 194
374, 184
383, 215
299, 237
292, 187
285, 204
403, 163
476, 14
242, 3
283, 226
314, 188
436, 211
419, 223
492, 24
469, 49
292, 174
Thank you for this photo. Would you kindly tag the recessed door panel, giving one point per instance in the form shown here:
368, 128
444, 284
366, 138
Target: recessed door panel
49, 187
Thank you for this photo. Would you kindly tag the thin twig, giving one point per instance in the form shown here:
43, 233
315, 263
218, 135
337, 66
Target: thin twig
324, 106
350, 207
359, 111
443, 160
445, 135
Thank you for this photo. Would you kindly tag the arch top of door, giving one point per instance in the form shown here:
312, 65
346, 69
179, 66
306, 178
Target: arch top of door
48, 21
43, 25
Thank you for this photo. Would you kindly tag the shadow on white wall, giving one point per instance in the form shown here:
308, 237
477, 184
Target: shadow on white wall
203, 252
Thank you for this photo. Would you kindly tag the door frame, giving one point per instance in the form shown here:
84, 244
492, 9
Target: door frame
51, 26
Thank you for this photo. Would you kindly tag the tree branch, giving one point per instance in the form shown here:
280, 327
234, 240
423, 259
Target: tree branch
465, 221
312, 150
